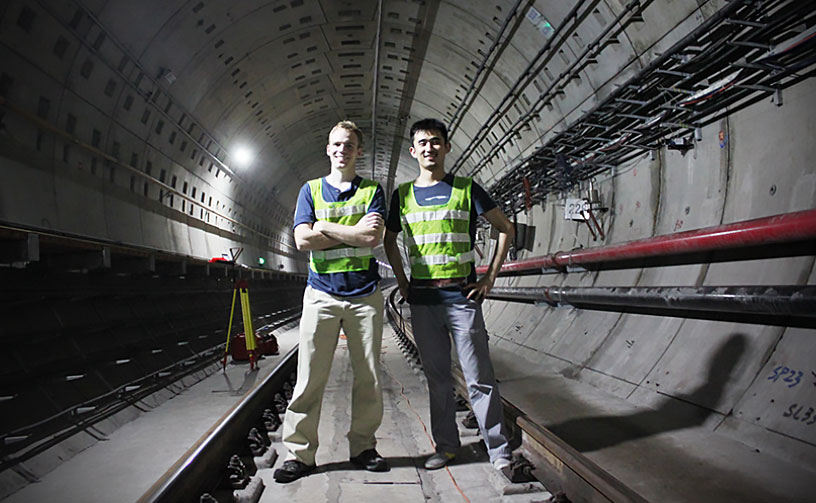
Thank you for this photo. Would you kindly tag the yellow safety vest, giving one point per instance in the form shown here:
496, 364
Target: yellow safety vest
343, 257
438, 236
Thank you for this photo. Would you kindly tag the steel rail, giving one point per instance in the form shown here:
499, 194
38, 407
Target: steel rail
32, 444
206, 462
38, 439
777, 229
580, 475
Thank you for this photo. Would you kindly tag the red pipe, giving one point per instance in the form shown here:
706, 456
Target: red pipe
784, 228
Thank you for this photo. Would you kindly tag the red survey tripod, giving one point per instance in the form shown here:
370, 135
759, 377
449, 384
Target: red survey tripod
240, 286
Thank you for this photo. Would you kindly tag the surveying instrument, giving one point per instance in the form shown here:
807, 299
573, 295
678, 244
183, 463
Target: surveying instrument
240, 286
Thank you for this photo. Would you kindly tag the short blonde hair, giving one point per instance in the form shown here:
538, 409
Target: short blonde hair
349, 126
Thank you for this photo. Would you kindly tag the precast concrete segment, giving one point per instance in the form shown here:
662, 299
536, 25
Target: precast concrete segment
657, 123
426, 18
791, 227
124, 218
504, 36
663, 453
560, 453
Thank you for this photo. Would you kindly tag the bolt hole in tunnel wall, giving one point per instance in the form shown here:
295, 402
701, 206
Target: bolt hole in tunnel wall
752, 382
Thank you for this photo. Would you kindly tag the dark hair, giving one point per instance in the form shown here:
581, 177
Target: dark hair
429, 125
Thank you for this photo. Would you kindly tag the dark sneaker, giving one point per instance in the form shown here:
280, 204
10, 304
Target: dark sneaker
291, 471
371, 460
470, 421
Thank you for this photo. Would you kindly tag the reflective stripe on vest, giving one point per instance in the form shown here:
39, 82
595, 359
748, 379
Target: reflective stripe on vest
424, 216
344, 211
342, 258
333, 253
443, 259
422, 239
438, 236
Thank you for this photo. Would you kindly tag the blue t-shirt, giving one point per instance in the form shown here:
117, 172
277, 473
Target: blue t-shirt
344, 284
440, 193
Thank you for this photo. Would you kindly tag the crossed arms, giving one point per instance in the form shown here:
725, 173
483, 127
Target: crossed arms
320, 235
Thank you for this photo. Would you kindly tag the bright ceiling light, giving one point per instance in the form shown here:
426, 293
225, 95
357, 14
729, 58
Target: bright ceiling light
242, 156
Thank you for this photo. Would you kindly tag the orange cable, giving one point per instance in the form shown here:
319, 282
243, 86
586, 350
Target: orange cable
425, 429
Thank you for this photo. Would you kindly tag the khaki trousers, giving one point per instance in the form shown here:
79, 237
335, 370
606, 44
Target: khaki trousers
362, 321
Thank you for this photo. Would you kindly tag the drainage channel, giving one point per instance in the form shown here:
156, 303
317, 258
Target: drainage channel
224, 465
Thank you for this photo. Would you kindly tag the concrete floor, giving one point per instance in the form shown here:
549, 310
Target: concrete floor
122, 468
667, 453
651, 450
404, 440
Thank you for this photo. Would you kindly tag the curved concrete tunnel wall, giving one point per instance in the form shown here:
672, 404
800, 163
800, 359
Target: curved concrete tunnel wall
105, 104
759, 169
49, 183
76, 76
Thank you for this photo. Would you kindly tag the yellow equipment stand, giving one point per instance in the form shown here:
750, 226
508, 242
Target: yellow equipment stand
249, 334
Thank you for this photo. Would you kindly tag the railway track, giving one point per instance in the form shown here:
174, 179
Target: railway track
223, 466
566, 473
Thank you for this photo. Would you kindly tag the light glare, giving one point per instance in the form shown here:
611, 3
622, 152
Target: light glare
242, 156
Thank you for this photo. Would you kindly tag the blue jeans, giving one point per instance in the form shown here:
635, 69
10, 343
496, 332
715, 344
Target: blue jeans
465, 323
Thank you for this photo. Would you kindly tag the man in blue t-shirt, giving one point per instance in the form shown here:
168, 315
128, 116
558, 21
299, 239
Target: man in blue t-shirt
438, 213
339, 219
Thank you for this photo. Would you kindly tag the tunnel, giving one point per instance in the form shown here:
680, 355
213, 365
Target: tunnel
656, 311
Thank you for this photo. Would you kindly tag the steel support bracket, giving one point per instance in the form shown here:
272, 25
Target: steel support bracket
26, 249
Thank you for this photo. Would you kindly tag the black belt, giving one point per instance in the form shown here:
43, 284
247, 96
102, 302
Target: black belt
438, 283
